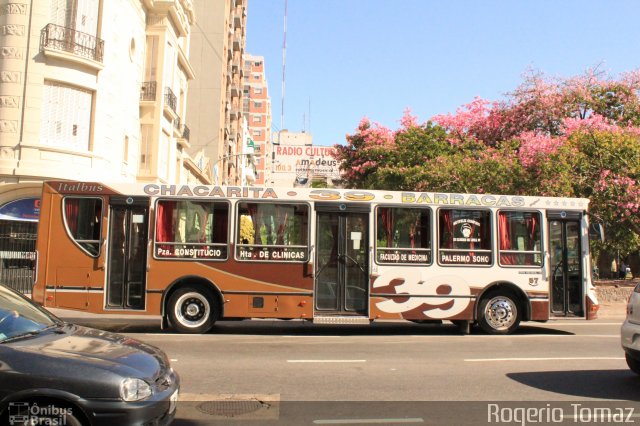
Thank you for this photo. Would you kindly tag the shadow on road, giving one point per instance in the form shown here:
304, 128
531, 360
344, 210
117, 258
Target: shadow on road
306, 328
602, 384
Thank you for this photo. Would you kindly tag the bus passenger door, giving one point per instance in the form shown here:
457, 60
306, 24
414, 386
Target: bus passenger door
127, 258
567, 292
342, 261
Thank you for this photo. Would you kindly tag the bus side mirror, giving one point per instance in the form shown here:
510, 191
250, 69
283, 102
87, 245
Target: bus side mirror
596, 231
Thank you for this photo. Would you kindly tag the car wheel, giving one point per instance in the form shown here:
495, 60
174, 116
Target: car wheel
633, 363
192, 310
499, 313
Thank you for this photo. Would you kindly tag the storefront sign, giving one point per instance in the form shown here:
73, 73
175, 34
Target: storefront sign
25, 209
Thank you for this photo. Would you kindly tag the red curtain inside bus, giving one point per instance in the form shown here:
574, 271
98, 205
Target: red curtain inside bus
71, 209
508, 233
255, 219
164, 221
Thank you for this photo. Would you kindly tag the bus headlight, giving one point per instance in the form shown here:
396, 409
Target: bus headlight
134, 390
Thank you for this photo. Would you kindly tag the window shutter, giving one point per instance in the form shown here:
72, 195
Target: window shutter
87, 16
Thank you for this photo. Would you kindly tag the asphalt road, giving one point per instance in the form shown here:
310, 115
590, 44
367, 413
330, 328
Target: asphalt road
292, 372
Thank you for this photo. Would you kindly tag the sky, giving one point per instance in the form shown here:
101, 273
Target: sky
349, 59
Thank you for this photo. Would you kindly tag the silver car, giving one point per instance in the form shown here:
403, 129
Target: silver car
630, 331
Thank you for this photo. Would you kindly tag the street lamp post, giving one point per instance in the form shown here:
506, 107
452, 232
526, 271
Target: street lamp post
226, 157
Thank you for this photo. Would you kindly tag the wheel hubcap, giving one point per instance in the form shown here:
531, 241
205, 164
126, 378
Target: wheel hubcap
500, 313
192, 310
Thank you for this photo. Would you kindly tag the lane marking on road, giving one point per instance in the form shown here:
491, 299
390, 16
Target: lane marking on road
171, 334
173, 360
580, 323
325, 360
366, 421
578, 358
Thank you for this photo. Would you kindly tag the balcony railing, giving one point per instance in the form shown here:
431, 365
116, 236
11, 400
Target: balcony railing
170, 99
148, 91
181, 128
68, 40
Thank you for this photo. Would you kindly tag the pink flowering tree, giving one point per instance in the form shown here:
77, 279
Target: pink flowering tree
557, 137
573, 137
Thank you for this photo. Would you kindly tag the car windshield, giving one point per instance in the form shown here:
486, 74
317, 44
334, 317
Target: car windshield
19, 316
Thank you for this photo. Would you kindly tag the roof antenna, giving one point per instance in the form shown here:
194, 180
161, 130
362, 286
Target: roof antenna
284, 61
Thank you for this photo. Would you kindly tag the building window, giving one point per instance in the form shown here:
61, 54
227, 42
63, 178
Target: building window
151, 60
257, 90
66, 116
125, 150
257, 133
146, 144
81, 15
257, 104
257, 119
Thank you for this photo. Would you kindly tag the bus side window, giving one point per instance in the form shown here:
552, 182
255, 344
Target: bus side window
83, 221
272, 232
464, 237
189, 229
403, 235
519, 238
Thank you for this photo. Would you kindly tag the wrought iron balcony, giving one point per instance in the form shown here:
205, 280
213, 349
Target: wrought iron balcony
170, 99
148, 91
68, 40
186, 132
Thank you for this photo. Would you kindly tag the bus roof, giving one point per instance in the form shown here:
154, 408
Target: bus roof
328, 195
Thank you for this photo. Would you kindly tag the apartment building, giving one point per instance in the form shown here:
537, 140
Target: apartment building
257, 109
92, 90
215, 96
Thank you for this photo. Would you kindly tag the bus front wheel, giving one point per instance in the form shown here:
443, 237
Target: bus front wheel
192, 310
499, 313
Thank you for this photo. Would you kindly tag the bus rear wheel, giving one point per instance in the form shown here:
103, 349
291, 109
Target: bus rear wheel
192, 310
499, 313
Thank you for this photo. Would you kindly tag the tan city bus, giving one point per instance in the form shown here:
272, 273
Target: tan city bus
197, 254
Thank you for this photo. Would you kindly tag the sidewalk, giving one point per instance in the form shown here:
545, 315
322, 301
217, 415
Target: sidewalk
612, 297
610, 310
613, 310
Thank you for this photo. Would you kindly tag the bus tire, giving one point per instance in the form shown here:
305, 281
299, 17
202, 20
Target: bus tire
499, 313
192, 310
